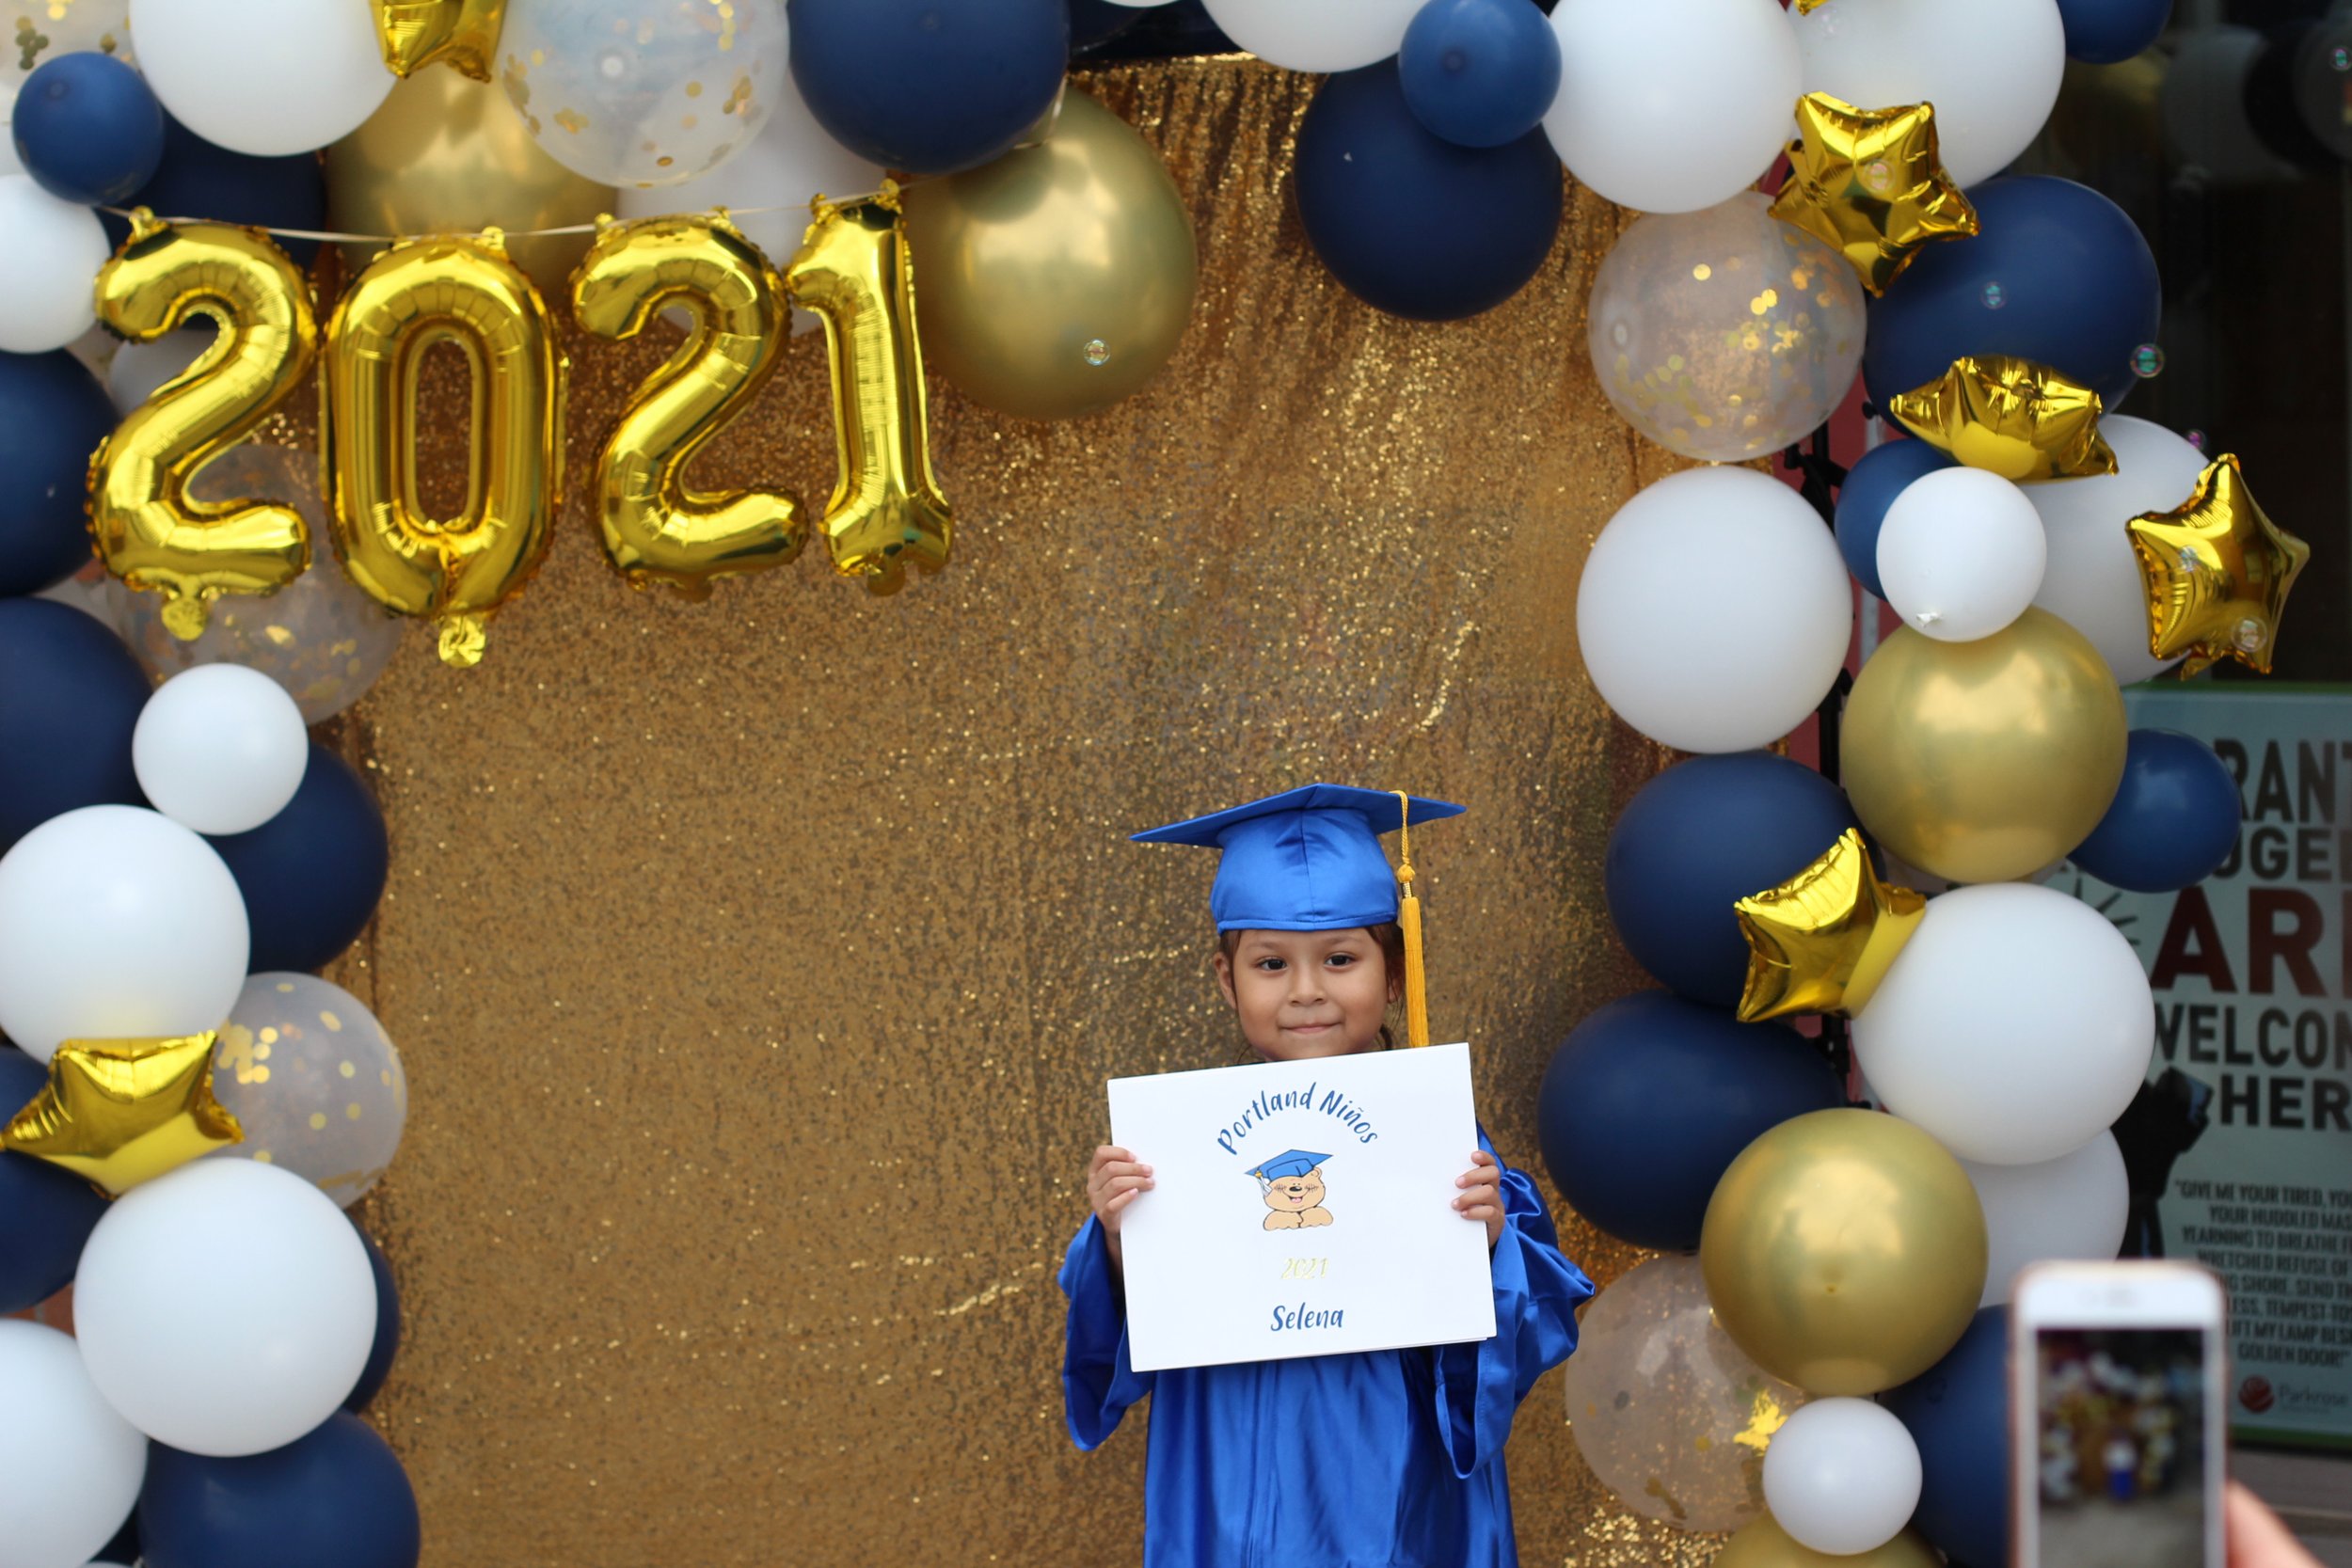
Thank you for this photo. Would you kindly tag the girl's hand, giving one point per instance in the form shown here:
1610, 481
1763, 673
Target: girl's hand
1482, 1195
1115, 1180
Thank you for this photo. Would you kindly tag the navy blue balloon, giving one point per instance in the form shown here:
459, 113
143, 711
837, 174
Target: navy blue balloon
1958, 1413
312, 874
1479, 72
1409, 222
929, 86
1871, 487
70, 696
1652, 1097
88, 128
45, 1214
2105, 32
386, 1344
53, 415
1698, 838
199, 178
2058, 274
2174, 820
337, 1495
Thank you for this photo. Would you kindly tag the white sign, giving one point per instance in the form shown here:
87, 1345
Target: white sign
1302, 1209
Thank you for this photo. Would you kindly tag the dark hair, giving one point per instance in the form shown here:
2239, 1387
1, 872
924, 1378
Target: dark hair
1387, 936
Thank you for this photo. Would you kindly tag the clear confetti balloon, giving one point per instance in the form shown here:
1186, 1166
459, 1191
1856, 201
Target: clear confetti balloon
40, 30
318, 637
642, 92
1724, 334
1671, 1415
314, 1079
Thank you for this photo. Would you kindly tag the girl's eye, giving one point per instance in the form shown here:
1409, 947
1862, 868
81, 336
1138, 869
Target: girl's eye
1270, 966
1340, 960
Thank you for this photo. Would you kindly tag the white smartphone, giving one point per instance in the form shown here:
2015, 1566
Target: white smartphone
2119, 1435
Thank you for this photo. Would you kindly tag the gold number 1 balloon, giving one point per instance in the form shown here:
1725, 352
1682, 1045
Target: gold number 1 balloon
462, 34
655, 529
151, 535
853, 272
455, 572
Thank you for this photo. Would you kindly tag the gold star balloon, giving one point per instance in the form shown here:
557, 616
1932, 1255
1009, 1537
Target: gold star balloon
1821, 941
2216, 571
118, 1113
461, 34
1870, 185
2010, 416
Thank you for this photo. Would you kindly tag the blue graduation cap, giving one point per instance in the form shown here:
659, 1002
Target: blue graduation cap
1310, 860
1292, 1161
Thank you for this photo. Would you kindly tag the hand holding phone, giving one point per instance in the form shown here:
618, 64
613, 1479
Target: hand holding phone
2118, 1435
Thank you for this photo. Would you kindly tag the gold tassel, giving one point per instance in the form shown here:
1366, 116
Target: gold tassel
1408, 920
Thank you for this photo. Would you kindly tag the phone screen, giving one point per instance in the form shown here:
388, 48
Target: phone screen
2121, 1449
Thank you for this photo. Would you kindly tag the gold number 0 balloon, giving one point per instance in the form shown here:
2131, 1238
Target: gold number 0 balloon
852, 271
151, 535
655, 528
456, 572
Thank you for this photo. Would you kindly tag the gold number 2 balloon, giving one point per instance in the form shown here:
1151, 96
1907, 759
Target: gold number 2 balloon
462, 34
151, 535
852, 271
455, 571
655, 529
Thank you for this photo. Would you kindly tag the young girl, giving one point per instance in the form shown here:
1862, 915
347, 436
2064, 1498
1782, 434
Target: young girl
1378, 1459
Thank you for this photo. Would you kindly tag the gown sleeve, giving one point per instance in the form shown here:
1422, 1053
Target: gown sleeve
1097, 1383
1480, 1385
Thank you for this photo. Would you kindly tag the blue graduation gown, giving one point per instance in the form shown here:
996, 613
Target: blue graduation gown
1376, 1459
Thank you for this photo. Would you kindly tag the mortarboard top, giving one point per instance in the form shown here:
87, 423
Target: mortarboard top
1294, 1162
1306, 859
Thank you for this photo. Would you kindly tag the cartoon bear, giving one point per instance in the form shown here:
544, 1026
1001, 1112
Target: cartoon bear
1291, 1184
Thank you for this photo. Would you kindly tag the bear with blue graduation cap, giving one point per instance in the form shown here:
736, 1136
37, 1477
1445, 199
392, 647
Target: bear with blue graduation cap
1317, 939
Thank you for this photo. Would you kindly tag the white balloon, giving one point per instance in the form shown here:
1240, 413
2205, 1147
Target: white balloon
1315, 35
791, 161
1961, 554
220, 748
2092, 581
116, 923
1841, 1476
1715, 610
70, 1468
268, 77
226, 1308
2014, 1026
1671, 105
47, 267
2074, 1206
139, 368
1991, 67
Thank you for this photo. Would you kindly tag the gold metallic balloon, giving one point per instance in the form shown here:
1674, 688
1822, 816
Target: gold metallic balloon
2010, 416
118, 1113
1057, 279
1984, 761
1844, 1251
1765, 1544
461, 34
1871, 184
148, 529
1821, 941
655, 529
2216, 571
852, 271
443, 155
456, 571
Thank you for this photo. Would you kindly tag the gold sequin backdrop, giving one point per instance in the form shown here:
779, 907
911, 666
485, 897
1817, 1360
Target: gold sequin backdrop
758, 963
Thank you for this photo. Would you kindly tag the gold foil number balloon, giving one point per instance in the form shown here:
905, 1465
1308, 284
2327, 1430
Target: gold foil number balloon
462, 34
655, 529
852, 271
148, 529
453, 572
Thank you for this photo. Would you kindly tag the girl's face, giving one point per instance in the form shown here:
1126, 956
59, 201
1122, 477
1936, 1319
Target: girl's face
1308, 993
